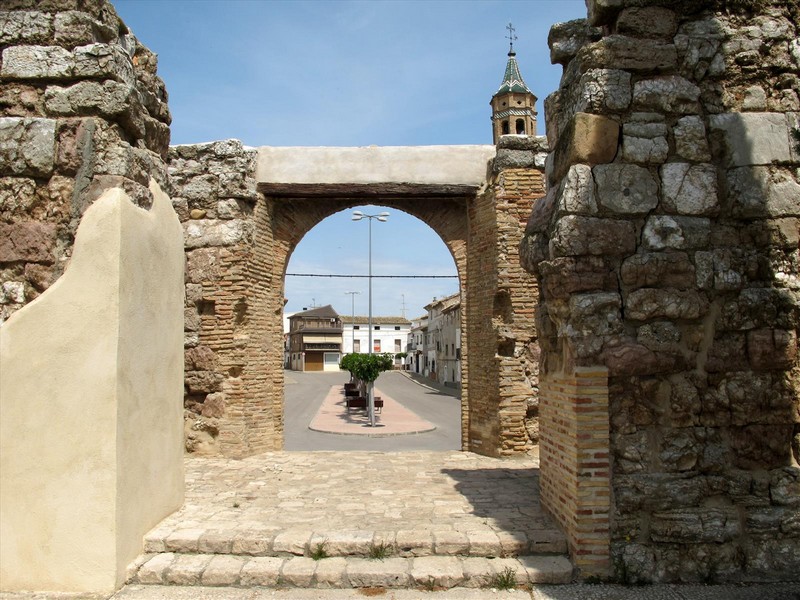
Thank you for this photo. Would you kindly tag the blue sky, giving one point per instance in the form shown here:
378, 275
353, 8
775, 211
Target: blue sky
348, 73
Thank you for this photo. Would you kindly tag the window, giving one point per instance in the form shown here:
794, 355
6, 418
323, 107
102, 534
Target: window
504, 126
377, 327
356, 345
397, 327
520, 126
356, 326
376, 345
398, 346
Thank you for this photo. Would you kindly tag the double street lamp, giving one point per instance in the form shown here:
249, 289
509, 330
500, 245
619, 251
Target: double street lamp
357, 216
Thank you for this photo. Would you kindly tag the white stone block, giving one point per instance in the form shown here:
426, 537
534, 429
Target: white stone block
753, 138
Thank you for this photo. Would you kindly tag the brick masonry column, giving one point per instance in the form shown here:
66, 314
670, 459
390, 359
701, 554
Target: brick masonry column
573, 448
503, 356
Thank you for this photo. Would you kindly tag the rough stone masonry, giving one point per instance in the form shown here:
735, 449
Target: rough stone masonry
667, 257
82, 111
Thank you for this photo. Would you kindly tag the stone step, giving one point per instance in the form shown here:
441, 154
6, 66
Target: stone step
363, 543
425, 572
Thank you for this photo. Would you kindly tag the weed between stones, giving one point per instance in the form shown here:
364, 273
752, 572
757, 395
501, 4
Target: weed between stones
506, 580
320, 551
379, 551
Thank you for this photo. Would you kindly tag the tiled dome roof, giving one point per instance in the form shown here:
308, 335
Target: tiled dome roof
512, 79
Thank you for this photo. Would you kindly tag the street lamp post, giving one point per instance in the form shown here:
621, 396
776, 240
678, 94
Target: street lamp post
353, 319
357, 216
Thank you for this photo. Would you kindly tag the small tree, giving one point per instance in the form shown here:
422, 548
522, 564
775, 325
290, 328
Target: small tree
347, 362
366, 368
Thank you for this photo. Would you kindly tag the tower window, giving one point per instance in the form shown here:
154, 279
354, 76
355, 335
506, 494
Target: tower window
520, 126
504, 126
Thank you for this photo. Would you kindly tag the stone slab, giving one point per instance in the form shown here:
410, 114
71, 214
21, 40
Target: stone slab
588, 139
392, 572
223, 570
440, 571
261, 570
298, 571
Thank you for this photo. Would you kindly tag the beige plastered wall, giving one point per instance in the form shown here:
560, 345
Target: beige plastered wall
91, 378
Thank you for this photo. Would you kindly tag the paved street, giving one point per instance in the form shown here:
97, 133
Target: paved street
304, 393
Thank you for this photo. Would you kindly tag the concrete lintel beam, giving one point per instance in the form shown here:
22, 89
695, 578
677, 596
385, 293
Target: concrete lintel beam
416, 165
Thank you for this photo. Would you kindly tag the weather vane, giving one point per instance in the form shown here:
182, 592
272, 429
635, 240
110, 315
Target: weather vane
511, 37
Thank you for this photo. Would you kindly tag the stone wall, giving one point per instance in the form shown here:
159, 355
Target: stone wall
239, 236
82, 111
503, 355
214, 194
667, 253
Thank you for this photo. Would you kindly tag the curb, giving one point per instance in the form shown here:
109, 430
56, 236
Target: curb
419, 383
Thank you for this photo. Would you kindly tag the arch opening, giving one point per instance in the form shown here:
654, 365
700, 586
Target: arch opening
422, 236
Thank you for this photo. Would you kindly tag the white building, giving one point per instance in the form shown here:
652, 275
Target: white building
389, 334
443, 340
287, 362
415, 345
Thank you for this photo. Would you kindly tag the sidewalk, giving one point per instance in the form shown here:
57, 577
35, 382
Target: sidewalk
431, 384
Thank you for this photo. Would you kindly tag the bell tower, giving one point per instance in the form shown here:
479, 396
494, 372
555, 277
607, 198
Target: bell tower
513, 105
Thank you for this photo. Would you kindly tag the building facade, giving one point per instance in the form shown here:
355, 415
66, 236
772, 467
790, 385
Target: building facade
415, 348
443, 340
389, 334
315, 340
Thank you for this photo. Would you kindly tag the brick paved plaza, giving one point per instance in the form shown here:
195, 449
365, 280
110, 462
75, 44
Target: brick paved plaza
451, 516
318, 493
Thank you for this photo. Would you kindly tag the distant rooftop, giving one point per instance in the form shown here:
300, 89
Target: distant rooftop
359, 320
446, 302
324, 312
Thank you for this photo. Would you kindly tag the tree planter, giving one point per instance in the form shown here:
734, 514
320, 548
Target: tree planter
364, 369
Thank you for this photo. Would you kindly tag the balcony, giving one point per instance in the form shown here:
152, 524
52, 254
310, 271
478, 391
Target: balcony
322, 346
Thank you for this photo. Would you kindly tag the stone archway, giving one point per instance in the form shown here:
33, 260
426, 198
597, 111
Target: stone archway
295, 215
239, 241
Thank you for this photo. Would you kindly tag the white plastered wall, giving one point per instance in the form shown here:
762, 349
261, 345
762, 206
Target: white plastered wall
91, 427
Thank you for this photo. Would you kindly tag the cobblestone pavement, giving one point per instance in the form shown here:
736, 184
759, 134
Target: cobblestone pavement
426, 502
